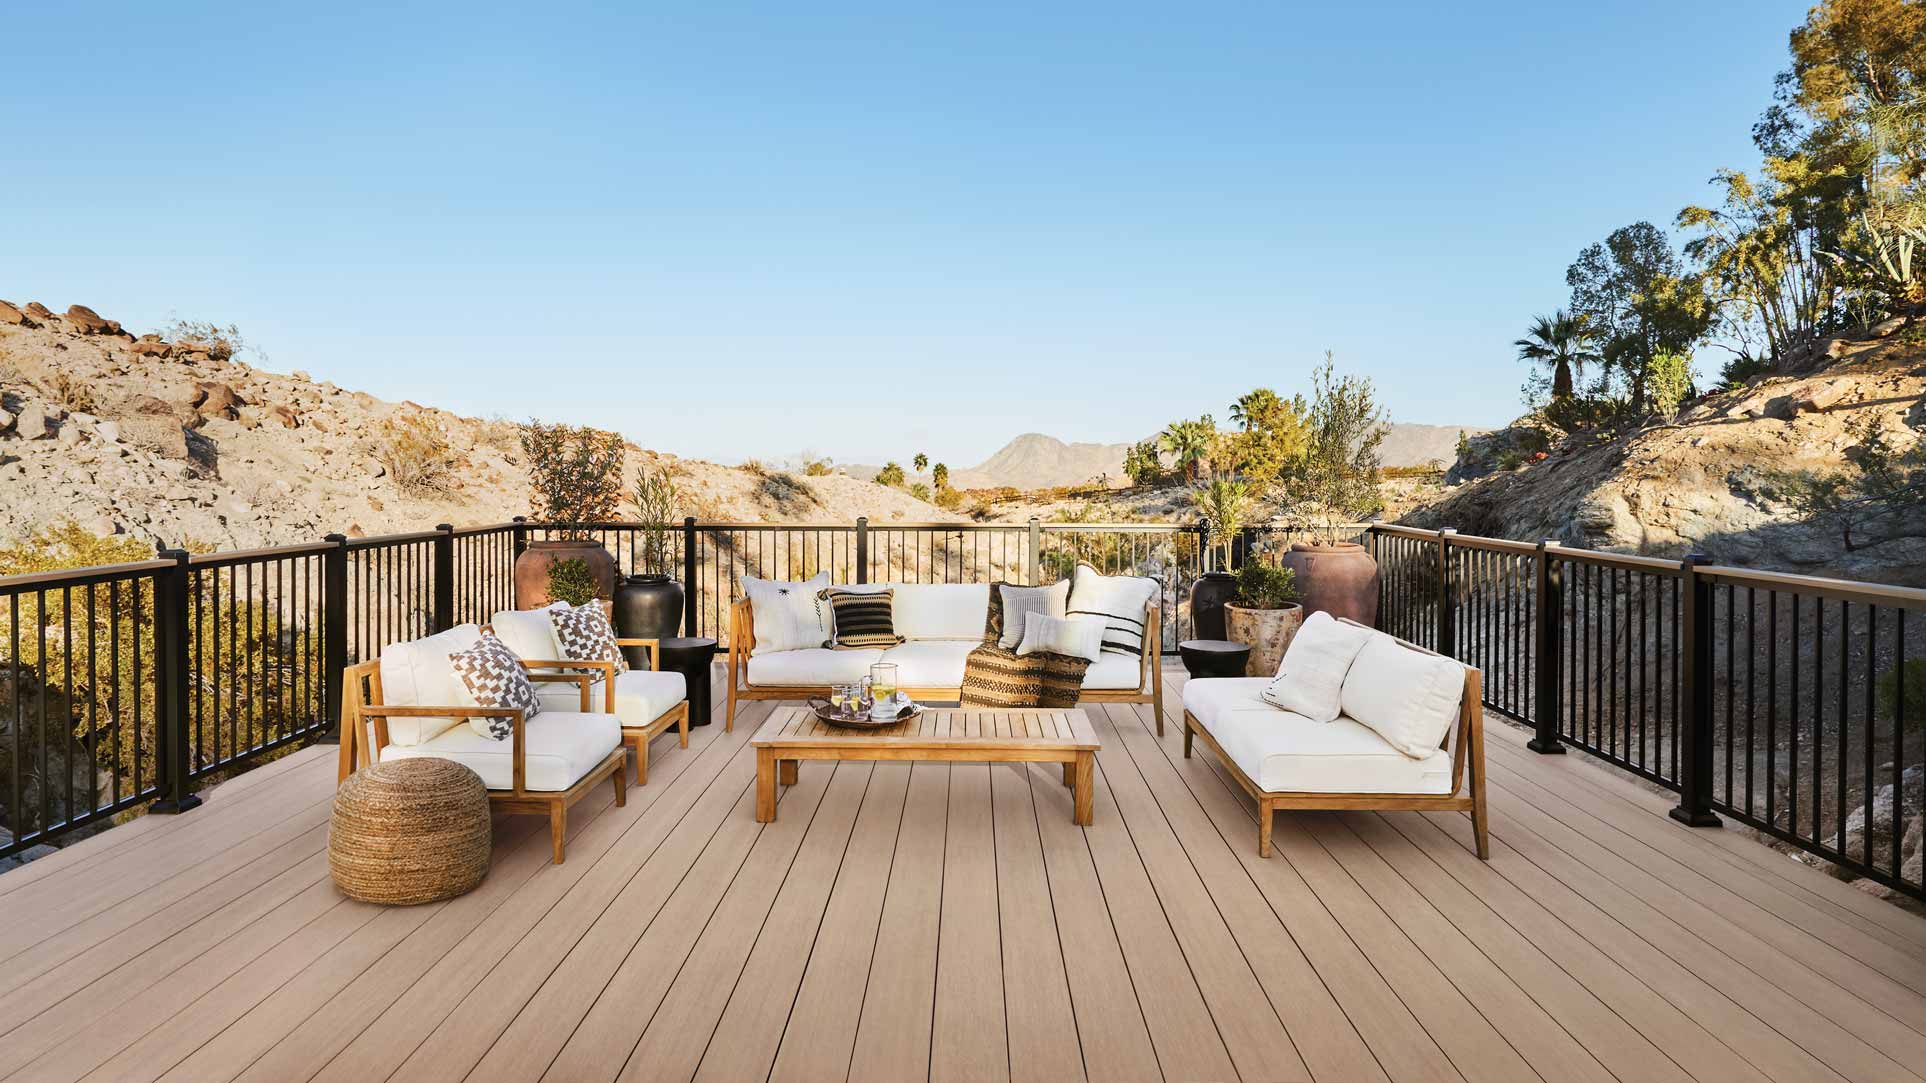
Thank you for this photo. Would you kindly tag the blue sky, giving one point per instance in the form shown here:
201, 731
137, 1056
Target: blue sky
738, 230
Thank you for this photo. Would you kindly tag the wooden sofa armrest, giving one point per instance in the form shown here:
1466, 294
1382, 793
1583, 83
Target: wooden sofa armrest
651, 642
517, 718
584, 681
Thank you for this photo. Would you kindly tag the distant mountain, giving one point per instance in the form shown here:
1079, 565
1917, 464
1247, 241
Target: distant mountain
1036, 461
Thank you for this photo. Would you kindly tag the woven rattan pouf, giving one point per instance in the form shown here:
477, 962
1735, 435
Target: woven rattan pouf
410, 831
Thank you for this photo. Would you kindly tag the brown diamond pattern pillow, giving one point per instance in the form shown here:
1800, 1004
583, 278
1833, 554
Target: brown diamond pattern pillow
494, 677
585, 635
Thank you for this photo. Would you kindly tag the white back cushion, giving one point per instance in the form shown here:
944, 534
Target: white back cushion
417, 674
1078, 637
1310, 679
1018, 602
1409, 697
941, 610
788, 615
530, 633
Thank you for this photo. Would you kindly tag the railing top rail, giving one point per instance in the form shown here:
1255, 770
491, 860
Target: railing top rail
1622, 560
1396, 531
1851, 590
250, 556
491, 528
74, 577
1495, 545
382, 541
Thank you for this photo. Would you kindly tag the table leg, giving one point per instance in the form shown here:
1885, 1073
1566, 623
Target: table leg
1084, 793
1070, 773
786, 772
765, 785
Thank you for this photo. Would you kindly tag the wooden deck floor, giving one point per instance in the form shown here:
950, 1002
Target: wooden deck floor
898, 922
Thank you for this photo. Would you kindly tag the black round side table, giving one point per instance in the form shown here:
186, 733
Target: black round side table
692, 656
1214, 657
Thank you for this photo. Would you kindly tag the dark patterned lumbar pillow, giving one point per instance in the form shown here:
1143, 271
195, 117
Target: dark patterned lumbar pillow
863, 619
585, 635
495, 678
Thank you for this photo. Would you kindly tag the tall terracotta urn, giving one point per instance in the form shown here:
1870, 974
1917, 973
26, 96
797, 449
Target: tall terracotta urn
1340, 579
1267, 632
531, 568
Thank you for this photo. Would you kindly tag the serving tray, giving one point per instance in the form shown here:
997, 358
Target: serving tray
827, 712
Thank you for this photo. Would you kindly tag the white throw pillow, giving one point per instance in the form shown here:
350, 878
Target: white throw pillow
1020, 602
1409, 697
1310, 679
1119, 599
789, 616
1078, 637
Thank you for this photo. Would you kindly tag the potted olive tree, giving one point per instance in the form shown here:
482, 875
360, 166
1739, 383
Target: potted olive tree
575, 473
1264, 615
1337, 484
648, 604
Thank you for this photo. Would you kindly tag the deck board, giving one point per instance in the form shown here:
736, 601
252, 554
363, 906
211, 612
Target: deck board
949, 921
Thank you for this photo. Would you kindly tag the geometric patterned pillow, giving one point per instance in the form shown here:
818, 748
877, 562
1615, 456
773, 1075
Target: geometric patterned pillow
585, 635
495, 678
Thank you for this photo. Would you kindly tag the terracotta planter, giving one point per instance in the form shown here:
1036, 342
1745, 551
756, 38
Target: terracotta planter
1207, 597
1268, 633
1340, 579
531, 569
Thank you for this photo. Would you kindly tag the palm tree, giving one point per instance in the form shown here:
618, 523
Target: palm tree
1562, 342
1187, 443
890, 475
941, 476
1255, 407
922, 461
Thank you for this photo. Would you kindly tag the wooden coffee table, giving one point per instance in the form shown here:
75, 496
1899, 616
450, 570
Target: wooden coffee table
1041, 735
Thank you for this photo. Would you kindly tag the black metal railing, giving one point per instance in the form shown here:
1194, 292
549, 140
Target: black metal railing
1793, 704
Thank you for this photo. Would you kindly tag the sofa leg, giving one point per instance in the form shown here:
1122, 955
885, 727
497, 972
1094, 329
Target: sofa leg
1263, 829
557, 829
1480, 829
729, 714
1189, 736
642, 761
621, 778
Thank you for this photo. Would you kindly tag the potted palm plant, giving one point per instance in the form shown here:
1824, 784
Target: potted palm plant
574, 473
648, 604
1223, 505
1264, 615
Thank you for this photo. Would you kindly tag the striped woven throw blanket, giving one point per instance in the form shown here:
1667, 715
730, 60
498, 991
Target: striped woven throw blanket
995, 677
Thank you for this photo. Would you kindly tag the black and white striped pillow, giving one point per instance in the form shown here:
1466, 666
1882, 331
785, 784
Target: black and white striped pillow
864, 619
1120, 600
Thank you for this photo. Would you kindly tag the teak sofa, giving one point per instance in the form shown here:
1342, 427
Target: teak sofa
941, 624
1286, 761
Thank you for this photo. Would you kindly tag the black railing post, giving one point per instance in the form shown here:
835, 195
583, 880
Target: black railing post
1695, 742
691, 590
520, 543
445, 578
334, 625
1033, 560
1447, 615
862, 548
171, 682
1547, 688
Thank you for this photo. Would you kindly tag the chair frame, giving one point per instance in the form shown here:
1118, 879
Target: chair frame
362, 710
742, 641
635, 738
1467, 757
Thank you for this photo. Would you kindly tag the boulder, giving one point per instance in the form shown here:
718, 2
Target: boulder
217, 399
12, 315
1819, 397
39, 311
33, 422
163, 436
88, 322
151, 348
108, 431
284, 416
147, 404
6, 422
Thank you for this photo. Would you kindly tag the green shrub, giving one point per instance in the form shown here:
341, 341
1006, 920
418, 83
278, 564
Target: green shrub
1263, 586
1510, 459
920, 491
1889, 686
571, 581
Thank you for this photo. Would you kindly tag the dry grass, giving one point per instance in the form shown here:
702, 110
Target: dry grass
416, 454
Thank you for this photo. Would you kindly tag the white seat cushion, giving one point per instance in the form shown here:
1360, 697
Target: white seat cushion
810, 666
417, 674
641, 695
1211, 698
929, 663
1284, 752
941, 610
1112, 671
562, 746
1410, 697
530, 633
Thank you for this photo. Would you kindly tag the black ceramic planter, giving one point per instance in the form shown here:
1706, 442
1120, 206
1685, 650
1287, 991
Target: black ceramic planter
1207, 597
647, 607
